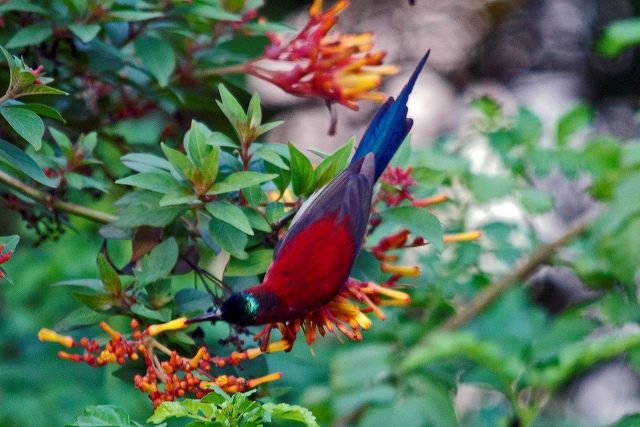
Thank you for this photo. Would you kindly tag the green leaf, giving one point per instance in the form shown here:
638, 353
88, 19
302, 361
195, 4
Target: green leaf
134, 15
189, 300
157, 56
213, 11
256, 220
180, 162
154, 181
179, 196
147, 313
30, 35
536, 201
42, 110
301, 172
26, 123
228, 237
231, 214
333, 164
143, 208
209, 168
85, 32
158, 263
95, 301
168, 410
196, 144
17, 158
268, 155
489, 187
109, 276
573, 120
419, 222
254, 113
80, 317
10, 61
230, 107
284, 411
618, 36
105, 415
257, 263
239, 180
268, 126
41, 90
9, 243
142, 162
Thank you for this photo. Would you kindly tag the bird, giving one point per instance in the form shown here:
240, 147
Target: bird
313, 260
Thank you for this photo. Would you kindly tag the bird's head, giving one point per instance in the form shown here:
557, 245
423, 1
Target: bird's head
241, 308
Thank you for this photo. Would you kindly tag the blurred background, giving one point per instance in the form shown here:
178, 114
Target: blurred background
535, 53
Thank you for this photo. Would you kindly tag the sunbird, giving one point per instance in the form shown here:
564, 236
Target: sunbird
313, 260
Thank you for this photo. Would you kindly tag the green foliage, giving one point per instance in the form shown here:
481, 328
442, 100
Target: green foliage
218, 409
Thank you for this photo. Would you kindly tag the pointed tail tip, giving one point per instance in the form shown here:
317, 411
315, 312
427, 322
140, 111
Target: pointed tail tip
414, 76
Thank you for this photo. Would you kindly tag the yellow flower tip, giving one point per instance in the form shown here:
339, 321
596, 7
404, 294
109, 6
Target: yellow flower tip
363, 321
48, 335
438, 198
265, 379
316, 8
462, 237
114, 334
282, 345
403, 270
173, 325
193, 363
250, 354
396, 297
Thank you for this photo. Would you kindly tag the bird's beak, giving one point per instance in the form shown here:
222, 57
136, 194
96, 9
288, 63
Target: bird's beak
212, 316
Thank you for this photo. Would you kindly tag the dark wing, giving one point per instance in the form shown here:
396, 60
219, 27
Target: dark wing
348, 194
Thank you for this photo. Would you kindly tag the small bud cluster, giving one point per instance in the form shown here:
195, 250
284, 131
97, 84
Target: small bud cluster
400, 179
4, 257
164, 380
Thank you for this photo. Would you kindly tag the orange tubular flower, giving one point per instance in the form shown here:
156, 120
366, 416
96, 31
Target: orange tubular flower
340, 68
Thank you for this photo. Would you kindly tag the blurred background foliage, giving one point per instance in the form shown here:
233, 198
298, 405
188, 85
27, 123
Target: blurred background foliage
526, 120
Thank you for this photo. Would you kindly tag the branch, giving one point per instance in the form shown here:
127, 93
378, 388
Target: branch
55, 203
492, 292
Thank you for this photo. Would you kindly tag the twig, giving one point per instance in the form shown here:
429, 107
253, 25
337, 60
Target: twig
55, 203
490, 293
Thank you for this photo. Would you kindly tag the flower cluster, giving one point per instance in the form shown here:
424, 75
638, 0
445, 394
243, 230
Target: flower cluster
167, 379
340, 68
4, 257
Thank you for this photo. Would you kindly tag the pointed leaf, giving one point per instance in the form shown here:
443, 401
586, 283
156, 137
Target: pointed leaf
230, 106
196, 145
180, 162
85, 32
240, 180
254, 113
108, 276
42, 110
96, 302
301, 172
41, 90
26, 123
158, 264
154, 181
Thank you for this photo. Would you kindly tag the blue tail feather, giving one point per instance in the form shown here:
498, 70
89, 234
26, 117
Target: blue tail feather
389, 127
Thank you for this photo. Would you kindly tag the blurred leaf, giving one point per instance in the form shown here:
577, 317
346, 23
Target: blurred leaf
157, 56
42, 110
489, 187
78, 318
536, 201
26, 123
618, 36
95, 301
17, 158
573, 120
143, 208
239, 180
134, 15
257, 262
284, 411
301, 172
188, 300
142, 162
419, 222
85, 32
9, 243
228, 238
142, 311
41, 90
231, 214
104, 415
30, 35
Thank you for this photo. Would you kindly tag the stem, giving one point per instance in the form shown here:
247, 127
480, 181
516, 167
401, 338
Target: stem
492, 292
54, 203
